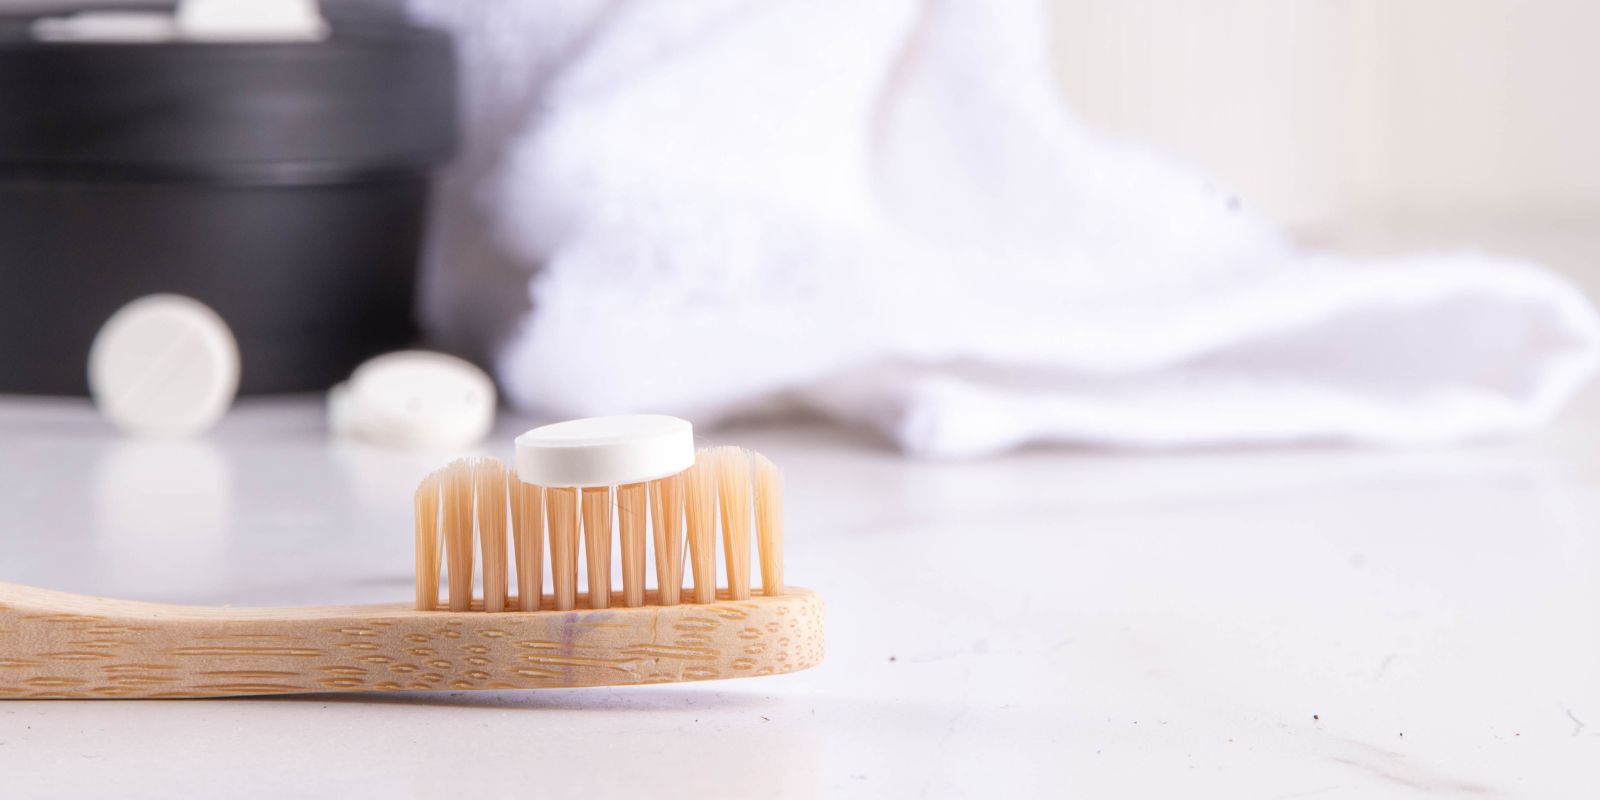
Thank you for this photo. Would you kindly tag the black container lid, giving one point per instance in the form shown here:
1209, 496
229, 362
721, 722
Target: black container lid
377, 95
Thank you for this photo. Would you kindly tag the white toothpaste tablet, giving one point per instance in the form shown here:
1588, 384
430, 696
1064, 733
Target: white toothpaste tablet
605, 451
414, 398
164, 365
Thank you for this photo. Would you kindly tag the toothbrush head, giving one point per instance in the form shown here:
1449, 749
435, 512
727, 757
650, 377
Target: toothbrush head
495, 542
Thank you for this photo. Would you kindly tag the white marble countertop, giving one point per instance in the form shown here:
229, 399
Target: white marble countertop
1288, 623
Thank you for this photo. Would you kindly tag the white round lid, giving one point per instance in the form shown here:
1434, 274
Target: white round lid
164, 365
605, 451
414, 398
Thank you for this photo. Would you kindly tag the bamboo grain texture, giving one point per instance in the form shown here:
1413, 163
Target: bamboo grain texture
60, 645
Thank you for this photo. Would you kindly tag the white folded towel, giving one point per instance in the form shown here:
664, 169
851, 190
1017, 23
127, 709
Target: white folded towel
880, 210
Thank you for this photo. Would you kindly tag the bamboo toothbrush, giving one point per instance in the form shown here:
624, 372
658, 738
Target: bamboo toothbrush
479, 523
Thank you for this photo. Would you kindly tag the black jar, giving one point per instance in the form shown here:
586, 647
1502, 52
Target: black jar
284, 184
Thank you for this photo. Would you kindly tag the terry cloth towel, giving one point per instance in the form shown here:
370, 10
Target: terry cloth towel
881, 211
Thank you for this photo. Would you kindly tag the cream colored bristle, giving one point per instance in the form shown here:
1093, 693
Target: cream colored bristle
769, 523
700, 507
561, 509
527, 532
666, 526
733, 496
467, 512
427, 521
632, 499
457, 531
489, 477
597, 543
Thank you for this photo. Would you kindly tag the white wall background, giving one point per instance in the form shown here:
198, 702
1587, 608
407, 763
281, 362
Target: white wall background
1430, 121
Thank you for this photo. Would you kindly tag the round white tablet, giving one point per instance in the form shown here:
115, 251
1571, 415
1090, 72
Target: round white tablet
414, 398
605, 451
164, 365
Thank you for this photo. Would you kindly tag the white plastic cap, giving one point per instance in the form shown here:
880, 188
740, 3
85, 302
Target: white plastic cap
164, 365
414, 398
605, 451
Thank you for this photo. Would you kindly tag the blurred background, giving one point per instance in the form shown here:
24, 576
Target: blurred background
1362, 124
1146, 206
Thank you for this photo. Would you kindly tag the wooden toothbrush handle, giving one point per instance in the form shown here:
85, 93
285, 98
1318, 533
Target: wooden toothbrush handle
57, 645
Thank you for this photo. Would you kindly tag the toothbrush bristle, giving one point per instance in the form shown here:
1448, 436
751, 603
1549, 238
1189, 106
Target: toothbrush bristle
733, 495
475, 511
489, 480
597, 543
700, 509
666, 528
769, 523
561, 508
631, 525
527, 531
458, 530
427, 521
